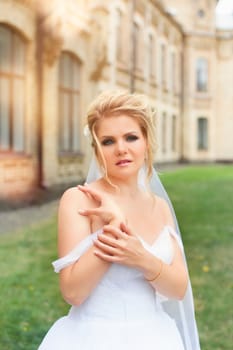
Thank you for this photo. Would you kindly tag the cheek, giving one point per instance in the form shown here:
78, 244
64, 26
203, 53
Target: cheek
142, 148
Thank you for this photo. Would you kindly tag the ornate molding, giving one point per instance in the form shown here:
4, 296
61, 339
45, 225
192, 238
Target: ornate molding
200, 42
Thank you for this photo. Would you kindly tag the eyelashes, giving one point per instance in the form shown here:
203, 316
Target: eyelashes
110, 141
107, 142
132, 138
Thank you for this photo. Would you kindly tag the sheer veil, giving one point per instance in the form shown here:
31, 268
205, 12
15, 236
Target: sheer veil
182, 311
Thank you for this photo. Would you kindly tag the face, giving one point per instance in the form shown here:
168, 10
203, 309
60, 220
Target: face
123, 145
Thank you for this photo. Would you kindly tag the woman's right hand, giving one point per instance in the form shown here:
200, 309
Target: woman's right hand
108, 210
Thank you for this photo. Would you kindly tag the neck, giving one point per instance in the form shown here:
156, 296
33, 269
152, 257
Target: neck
123, 187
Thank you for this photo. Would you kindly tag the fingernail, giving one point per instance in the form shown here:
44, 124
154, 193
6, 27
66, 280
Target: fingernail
81, 211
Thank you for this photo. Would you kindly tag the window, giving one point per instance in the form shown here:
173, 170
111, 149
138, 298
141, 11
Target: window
201, 13
138, 47
69, 103
151, 55
119, 28
12, 90
202, 133
164, 130
136, 44
173, 71
173, 133
201, 74
163, 64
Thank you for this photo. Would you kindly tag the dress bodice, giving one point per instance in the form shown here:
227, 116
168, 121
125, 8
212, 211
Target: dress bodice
122, 286
122, 312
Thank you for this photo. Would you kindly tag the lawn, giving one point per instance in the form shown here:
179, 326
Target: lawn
203, 200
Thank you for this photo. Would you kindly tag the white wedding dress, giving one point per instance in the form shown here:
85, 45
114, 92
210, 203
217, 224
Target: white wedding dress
122, 313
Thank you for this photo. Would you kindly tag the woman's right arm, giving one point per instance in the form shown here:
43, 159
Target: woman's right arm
78, 280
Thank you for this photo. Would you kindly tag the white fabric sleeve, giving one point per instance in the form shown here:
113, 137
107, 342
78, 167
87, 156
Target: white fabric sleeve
75, 253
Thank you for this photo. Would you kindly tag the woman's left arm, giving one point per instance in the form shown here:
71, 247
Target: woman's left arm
169, 279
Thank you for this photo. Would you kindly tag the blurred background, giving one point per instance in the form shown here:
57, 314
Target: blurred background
57, 55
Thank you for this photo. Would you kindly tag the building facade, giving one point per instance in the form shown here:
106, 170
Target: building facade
56, 56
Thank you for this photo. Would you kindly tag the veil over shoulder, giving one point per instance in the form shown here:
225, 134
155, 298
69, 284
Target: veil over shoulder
182, 311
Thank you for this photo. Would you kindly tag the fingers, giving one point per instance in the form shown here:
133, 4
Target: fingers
126, 229
106, 257
110, 245
106, 239
116, 232
105, 216
88, 212
108, 248
105, 248
93, 193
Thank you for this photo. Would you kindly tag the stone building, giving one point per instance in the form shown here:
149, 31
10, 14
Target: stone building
57, 55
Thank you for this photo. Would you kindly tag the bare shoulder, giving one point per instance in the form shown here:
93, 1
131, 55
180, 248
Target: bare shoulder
72, 227
75, 198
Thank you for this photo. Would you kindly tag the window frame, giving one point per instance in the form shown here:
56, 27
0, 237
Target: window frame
12, 76
202, 74
71, 92
202, 133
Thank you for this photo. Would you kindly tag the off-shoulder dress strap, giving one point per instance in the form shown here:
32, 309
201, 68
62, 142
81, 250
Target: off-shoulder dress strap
75, 253
174, 234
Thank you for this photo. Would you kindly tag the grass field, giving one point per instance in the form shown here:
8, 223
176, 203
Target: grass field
203, 199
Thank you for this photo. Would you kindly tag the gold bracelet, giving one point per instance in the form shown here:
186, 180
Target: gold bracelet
158, 274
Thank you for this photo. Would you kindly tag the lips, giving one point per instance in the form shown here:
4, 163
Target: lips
123, 162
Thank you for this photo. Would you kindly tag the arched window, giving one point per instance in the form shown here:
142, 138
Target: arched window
201, 74
12, 90
202, 137
69, 103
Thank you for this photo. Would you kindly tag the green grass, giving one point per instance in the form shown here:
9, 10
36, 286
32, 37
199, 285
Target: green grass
203, 198
30, 299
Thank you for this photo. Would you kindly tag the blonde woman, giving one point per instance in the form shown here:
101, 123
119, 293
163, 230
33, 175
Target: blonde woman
122, 265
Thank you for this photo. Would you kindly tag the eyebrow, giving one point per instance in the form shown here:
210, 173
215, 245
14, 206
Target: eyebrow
126, 134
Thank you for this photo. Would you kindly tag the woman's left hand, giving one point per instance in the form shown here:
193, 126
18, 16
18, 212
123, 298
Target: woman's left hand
119, 245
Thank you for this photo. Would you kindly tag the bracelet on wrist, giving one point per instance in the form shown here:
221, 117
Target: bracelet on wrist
158, 274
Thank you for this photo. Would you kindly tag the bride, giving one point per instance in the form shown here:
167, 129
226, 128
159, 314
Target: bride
121, 265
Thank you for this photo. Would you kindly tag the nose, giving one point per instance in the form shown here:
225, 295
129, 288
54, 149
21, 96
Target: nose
121, 147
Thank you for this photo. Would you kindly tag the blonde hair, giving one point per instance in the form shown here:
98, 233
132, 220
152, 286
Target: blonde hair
136, 106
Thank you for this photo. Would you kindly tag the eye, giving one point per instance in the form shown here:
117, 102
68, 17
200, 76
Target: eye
107, 142
131, 138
